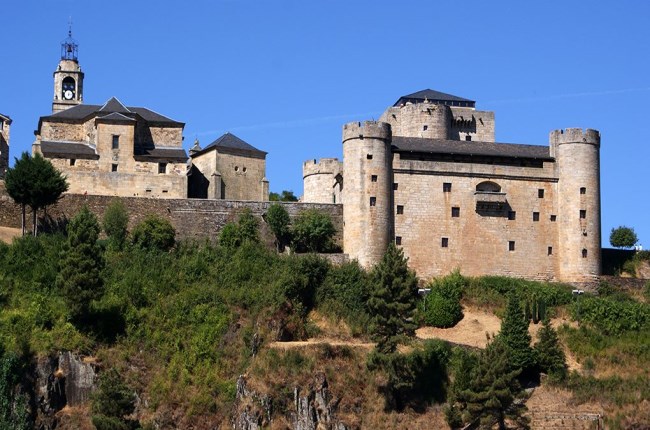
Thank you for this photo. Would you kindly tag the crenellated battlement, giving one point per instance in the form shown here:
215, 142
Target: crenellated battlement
324, 166
575, 135
367, 129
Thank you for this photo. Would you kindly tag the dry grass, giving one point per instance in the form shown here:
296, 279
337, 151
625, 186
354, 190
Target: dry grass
7, 234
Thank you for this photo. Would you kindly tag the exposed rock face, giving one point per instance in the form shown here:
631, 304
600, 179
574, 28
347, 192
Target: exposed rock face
314, 410
60, 380
253, 411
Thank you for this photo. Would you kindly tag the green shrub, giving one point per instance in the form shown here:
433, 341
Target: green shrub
246, 230
154, 233
14, 412
442, 308
278, 220
115, 223
313, 231
344, 293
612, 316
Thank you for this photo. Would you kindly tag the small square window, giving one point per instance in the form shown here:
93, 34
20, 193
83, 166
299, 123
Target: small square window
535, 216
511, 245
584, 253
398, 240
583, 190
468, 138
550, 250
583, 214
373, 178
113, 167
72, 161
165, 191
512, 215
455, 212
446, 187
445, 242
425, 128
400, 209
369, 156
162, 168
116, 141
373, 201
395, 185
540, 193
553, 218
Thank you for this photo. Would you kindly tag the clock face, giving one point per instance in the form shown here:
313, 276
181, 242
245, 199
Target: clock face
68, 89
67, 94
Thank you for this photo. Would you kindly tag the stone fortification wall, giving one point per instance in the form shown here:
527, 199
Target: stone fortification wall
319, 180
192, 218
4, 147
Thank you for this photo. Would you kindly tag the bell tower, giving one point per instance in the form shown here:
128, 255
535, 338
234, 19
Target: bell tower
68, 77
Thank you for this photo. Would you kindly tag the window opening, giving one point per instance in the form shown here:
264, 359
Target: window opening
400, 209
113, 167
398, 240
584, 253
369, 156
553, 218
445, 242
512, 215
116, 141
446, 187
162, 168
540, 193
468, 138
583, 214
455, 212
373, 178
373, 201
583, 190
511, 245
535, 216
72, 161
550, 250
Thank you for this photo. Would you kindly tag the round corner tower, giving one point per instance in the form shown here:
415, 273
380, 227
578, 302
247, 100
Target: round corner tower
577, 155
367, 192
321, 180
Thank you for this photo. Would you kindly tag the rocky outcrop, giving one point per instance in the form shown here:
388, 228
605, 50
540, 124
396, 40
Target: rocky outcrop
253, 409
60, 380
314, 408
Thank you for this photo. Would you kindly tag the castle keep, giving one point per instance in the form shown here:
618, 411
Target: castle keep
430, 176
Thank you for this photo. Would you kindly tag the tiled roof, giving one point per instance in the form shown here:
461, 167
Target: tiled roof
162, 155
68, 150
489, 149
230, 142
433, 96
114, 116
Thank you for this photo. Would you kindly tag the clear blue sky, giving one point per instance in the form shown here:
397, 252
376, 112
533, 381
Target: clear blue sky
285, 75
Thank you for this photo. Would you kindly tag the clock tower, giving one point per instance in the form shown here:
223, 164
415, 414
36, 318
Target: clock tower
68, 77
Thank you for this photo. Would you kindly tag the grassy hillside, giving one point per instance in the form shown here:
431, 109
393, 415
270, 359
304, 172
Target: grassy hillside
180, 327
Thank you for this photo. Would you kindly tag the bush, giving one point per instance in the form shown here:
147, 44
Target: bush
344, 293
313, 231
612, 316
278, 220
623, 237
115, 223
14, 413
233, 235
441, 308
112, 402
154, 233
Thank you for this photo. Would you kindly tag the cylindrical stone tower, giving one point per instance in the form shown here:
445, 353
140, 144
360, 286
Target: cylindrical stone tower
367, 190
319, 180
577, 155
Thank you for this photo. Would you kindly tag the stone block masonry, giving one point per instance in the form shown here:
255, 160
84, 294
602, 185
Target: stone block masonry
196, 219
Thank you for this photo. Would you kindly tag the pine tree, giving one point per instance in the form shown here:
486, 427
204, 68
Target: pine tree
79, 278
514, 335
492, 395
392, 300
550, 355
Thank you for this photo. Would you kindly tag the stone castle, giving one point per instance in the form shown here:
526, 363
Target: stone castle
115, 150
430, 176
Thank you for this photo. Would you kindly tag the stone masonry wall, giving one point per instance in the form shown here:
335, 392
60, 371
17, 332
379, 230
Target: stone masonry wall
192, 218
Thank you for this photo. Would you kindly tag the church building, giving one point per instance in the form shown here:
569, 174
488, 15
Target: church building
109, 149
430, 177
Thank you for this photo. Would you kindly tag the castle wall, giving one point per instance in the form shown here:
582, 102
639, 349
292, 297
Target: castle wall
320, 183
192, 218
4, 148
477, 240
242, 177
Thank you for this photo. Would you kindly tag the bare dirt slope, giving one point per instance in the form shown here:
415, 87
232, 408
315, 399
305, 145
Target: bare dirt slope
7, 234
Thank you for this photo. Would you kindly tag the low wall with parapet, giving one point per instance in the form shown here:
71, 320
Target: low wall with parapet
192, 218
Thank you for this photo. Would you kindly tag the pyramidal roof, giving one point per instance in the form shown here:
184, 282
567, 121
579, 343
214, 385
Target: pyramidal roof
114, 105
435, 97
229, 141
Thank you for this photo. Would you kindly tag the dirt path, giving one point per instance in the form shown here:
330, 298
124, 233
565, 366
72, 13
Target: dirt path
7, 234
472, 330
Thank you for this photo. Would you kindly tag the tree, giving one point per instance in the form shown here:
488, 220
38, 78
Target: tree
246, 230
313, 231
623, 237
115, 222
278, 220
392, 300
34, 182
492, 392
79, 278
154, 233
112, 401
285, 196
550, 355
514, 335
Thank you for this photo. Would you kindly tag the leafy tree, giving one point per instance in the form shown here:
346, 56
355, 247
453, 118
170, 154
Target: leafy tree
442, 308
492, 391
154, 233
79, 278
392, 300
623, 237
284, 196
550, 355
115, 222
34, 182
14, 413
246, 230
112, 401
313, 231
278, 220
514, 335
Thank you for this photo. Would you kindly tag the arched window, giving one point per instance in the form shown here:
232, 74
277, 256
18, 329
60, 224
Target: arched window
68, 88
489, 187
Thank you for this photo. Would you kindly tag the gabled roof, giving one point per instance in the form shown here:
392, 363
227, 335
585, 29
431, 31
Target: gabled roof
161, 155
84, 112
435, 97
230, 143
472, 148
6, 119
